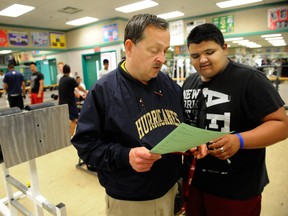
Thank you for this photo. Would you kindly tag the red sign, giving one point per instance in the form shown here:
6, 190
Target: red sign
3, 38
278, 18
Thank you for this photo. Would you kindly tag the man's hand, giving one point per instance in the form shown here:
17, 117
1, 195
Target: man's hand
141, 159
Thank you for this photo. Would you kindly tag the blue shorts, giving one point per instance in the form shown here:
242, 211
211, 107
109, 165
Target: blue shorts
73, 112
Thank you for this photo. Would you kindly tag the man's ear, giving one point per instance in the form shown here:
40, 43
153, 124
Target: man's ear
128, 47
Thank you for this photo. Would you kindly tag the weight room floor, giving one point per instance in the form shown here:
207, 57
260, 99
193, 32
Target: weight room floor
80, 191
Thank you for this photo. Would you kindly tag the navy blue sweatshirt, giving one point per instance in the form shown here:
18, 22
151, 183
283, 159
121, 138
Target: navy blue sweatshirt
121, 113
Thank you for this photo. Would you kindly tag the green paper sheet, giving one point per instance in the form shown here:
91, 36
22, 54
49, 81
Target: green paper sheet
185, 137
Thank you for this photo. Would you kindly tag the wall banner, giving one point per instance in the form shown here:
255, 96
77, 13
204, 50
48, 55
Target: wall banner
224, 23
3, 38
176, 29
40, 39
57, 40
278, 18
17, 38
110, 33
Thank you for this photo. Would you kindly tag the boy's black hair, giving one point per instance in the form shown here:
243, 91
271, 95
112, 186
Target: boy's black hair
105, 61
205, 32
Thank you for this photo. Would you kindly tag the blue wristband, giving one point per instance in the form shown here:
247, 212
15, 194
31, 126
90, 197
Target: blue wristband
241, 140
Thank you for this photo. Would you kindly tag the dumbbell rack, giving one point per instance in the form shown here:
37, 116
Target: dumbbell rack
24, 136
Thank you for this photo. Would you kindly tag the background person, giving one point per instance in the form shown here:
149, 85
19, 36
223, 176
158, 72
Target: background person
105, 68
80, 95
165, 69
284, 67
1, 82
60, 71
227, 96
125, 114
67, 85
36, 85
60, 66
14, 85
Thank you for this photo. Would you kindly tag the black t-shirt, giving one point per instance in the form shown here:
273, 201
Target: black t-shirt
235, 100
35, 81
66, 90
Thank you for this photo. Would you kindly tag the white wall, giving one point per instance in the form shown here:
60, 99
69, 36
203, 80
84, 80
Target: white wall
74, 58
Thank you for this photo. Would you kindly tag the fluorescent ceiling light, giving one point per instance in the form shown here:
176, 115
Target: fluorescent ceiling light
279, 44
247, 43
171, 15
5, 51
244, 43
234, 39
253, 45
274, 38
273, 42
137, 6
82, 21
270, 35
240, 41
233, 3
16, 10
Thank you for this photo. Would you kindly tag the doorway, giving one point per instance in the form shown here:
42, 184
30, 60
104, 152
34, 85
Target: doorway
91, 66
49, 69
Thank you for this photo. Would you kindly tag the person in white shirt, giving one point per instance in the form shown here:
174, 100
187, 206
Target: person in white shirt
80, 95
60, 71
164, 68
1, 82
104, 70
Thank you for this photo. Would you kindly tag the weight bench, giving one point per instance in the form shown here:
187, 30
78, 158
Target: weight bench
47, 131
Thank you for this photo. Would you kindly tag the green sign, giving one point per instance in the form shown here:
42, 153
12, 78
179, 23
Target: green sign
224, 23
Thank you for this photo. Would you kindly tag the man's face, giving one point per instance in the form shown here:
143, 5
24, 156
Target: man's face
60, 67
147, 56
208, 58
33, 68
106, 66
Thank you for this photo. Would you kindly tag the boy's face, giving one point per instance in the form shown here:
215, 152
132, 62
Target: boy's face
208, 58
